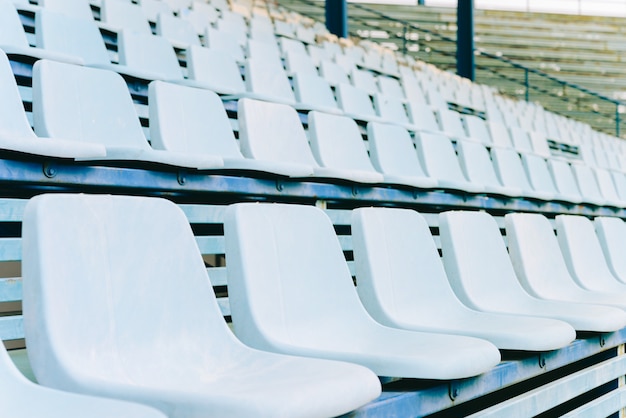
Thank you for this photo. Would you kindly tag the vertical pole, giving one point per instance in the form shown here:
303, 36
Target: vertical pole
465, 39
404, 40
617, 120
526, 84
421, 2
337, 17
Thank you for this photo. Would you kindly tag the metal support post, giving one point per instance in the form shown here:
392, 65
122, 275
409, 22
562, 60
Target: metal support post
465, 39
337, 17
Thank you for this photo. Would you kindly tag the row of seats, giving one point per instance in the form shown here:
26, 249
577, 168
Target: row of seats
291, 293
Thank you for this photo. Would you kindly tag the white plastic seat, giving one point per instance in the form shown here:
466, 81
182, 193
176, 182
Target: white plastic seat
16, 133
510, 170
391, 110
422, 117
299, 63
178, 31
356, 103
265, 79
314, 93
482, 276
390, 87
450, 123
540, 266
191, 120
333, 73
539, 144
152, 8
607, 187
584, 256
338, 146
76, 8
402, 283
285, 30
588, 185
393, 154
564, 180
364, 80
441, 163
611, 233
619, 180
478, 168
121, 15
477, 130
225, 42
262, 50
500, 135
23, 398
233, 23
176, 352
536, 167
94, 106
214, 70
201, 15
150, 57
521, 140
291, 291
13, 39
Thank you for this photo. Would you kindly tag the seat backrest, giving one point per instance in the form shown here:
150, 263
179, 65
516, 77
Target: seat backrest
12, 33
587, 182
87, 104
105, 255
364, 80
299, 63
223, 41
13, 121
450, 122
201, 15
392, 150
70, 35
124, 16
499, 134
611, 233
476, 129
536, 255
582, 252
399, 272
291, 45
536, 167
176, 30
152, 8
354, 101
619, 180
606, 185
333, 73
267, 77
390, 108
510, 170
215, 68
438, 157
150, 53
476, 260
314, 91
272, 132
521, 139
563, 177
422, 116
476, 163
189, 120
79, 9
287, 253
390, 86
337, 143
539, 144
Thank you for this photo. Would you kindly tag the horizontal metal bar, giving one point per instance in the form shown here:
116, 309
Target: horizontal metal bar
601, 407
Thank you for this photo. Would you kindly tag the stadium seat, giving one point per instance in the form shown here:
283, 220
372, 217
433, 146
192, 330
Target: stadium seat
152, 8
290, 291
176, 352
540, 266
94, 106
179, 32
440, 162
508, 165
23, 398
333, 73
121, 15
611, 233
215, 70
393, 154
263, 50
356, 103
520, 139
564, 180
422, 117
607, 187
225, 42
391, 87
391, 109
499, 134
149, 57
450, 123
299, 63
265, 79
477, 129
79, 9
583, 254
402, 283
201, 15
477, 166
16, 134
13, 39
191, 120
338, 146
536, 167
588, 184
364, 80
482, 275
314, 93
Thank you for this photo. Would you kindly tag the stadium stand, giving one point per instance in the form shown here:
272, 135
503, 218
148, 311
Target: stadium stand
482, 286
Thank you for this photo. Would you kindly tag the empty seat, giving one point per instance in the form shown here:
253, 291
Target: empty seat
121, 15
314, 93
391, 110
364, 80
422, 117
178, 31
390, 87
477, 129
511, 173
215, 70
94, 106
607, 187
265, 79
521, 139
333, 73
540, 266
536, 167
482, 276
338, 146
16, 134
23, 398
225, 42
356, 103
152, 8
476, 163
263, 50
299, 63
201, 15
499, 133
76, 8
583, 254
564, 180
176, 352
441, 163
402, 283
611, 233
148, 56
588, 185
291, 291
